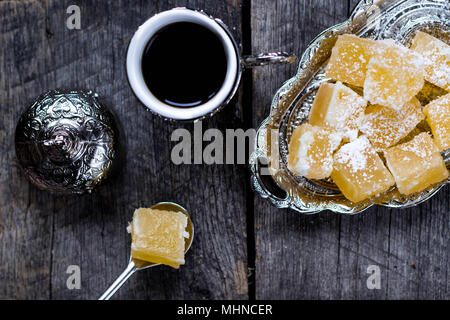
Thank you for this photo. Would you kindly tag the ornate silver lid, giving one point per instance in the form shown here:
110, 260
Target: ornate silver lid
66, 141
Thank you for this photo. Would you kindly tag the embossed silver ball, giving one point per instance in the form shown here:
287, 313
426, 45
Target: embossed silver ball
67, 141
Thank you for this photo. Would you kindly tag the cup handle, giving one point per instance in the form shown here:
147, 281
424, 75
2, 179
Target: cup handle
263, 59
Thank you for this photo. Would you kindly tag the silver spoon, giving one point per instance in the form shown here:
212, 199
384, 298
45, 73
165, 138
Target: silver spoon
135, 265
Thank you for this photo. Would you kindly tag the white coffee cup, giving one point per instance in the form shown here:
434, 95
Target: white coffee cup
233, 71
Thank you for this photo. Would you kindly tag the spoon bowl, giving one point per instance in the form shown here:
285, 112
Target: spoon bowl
136, 264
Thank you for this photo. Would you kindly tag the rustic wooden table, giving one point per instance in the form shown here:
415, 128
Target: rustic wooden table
244, 247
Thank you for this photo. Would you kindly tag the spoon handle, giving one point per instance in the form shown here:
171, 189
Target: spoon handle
129, 270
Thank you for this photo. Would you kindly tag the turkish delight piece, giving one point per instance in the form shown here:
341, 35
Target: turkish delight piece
394, 76
385, 126
349, 58
311, 151
416, 164
338, 107
438, 117
359, 172
158, 236
436, 54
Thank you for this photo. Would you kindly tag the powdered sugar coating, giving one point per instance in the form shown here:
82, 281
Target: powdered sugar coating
394, 76
385, 126
338, 107
354, 155
359, 172
438, 117
311, 151
436, 55
416, 164
349, 58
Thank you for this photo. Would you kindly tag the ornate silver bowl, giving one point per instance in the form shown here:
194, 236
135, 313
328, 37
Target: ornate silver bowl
394, 19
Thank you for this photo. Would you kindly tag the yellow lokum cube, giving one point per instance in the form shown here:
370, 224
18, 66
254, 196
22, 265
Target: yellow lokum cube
393, 77
158, 236
311, 151
436, 54
349, 58
359, 172
416, 164
438, 117
384, 126
338, 107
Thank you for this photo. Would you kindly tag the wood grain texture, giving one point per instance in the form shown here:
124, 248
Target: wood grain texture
326, 256
41, 235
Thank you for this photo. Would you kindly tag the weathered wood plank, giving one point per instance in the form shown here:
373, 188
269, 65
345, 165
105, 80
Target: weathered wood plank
26, 222
326, 256
42, 235
292, 250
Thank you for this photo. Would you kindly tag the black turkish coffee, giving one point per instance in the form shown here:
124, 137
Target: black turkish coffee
184, 64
